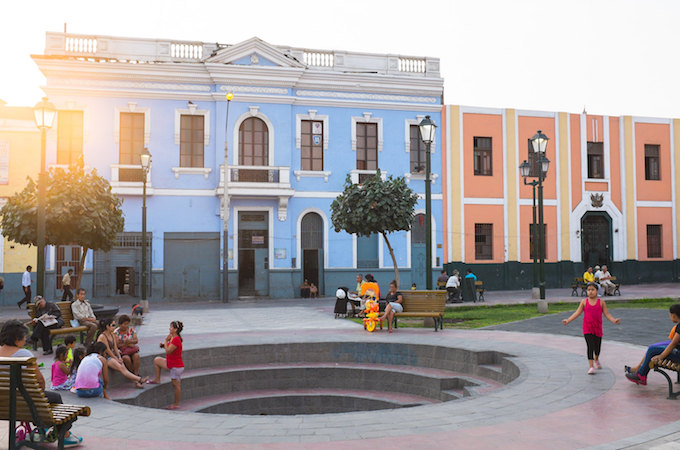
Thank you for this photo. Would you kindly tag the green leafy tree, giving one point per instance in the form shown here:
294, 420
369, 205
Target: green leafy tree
80, 210
376, 206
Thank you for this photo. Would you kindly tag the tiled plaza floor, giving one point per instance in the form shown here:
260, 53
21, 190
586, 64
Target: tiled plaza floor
553, 404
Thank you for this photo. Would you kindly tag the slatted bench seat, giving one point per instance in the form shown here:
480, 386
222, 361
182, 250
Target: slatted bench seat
671, 366
479, 288
424, 304
67, 316
22, 399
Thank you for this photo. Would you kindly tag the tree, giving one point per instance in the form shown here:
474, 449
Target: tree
80, 210
376, 206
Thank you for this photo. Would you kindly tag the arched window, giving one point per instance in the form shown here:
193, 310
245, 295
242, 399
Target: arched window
312, 231
253, 143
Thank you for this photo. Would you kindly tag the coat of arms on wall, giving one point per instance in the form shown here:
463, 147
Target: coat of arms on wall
596, 200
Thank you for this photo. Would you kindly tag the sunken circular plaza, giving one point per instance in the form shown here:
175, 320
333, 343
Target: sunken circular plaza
325, 377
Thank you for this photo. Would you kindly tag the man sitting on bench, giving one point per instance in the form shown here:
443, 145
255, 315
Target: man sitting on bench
47, 317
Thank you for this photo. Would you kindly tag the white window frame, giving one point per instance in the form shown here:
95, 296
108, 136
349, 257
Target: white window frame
254, 111
407, 134
131, 108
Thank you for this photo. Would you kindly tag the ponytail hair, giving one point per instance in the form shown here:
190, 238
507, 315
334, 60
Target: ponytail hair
97, 347
103, 323
179, 326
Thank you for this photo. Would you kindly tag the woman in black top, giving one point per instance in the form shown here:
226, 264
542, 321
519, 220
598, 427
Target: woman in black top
394, 299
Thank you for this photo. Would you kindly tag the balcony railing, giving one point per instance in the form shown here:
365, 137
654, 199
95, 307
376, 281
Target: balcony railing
140, 50
256, 180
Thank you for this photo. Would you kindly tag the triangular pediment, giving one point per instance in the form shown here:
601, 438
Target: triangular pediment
253, 51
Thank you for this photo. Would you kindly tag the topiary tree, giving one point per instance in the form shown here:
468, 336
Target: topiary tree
80, 210
376, 206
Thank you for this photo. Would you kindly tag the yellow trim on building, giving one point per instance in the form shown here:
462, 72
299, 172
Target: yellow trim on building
565, 176
512, 181
454, 181
676, 147
629, 201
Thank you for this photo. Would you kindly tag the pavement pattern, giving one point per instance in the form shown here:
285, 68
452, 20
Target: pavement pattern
553, 404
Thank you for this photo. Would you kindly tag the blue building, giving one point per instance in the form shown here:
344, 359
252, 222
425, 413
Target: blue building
299, 122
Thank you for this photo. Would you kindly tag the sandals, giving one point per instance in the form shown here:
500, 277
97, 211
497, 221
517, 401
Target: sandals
142, 381
152, 382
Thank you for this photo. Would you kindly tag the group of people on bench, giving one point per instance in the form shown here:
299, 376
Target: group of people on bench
602, 278
452, 284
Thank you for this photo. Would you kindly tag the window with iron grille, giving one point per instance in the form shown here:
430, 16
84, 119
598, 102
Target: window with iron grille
595, 160
652, 171
533, 246
484, 241
253, 143
367, 146
69, 137
482, 156
311, 133
417, 150
191, 140
131, 138
312, 231
654, 241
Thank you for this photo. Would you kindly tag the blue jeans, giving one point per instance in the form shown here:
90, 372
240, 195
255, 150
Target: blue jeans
92, 392
657, 349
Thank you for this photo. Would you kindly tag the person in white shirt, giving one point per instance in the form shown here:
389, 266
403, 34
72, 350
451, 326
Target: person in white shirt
598, 277
82, 312
606, 281
26, 286
66, 286
453, 287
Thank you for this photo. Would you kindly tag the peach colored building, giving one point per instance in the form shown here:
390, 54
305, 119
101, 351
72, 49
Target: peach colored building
610, 195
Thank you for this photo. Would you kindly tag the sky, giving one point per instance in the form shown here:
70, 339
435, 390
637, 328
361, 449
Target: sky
610, 57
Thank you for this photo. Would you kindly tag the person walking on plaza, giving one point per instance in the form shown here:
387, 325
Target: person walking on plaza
26, 286
66, 286
82, 312
172, 361
41, 328
592, 308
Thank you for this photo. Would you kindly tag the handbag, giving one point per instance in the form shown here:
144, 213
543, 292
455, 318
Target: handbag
129, 350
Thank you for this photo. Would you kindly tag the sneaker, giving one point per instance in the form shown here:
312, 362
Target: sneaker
72, 441
598, 366
591, 371
637, 378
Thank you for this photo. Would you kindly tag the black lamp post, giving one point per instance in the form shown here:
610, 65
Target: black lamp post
44, 113
525, 170
427, 130
225, 207
540, 142
145, 159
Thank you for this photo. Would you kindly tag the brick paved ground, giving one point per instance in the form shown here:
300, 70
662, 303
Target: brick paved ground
553, 404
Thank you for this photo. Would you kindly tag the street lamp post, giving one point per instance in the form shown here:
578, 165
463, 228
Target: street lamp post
427, 130
44, 113
540, 142
225, 207
525, 170
145, 159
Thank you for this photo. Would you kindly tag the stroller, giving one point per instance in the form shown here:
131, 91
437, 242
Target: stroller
342, 297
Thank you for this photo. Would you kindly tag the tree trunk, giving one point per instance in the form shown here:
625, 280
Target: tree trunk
81, 268
394, 260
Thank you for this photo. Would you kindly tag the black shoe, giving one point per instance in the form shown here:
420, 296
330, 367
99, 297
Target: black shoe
48, 352
19, 304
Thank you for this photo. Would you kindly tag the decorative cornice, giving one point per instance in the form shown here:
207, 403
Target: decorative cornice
359, 96
255, 89
66, 82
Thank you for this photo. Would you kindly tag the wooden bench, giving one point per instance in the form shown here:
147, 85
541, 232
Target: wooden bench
479, 288
576, 285
668, 365
67, 316
617, 285
424, 304
22, 399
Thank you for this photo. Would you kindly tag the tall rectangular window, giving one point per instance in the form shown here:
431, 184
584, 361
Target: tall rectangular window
131, 138
482, 156
484, 241
595, 160
312, 144
191, 140
417, 150
367, 146
654, 241
652, 171
69, 137
533, 246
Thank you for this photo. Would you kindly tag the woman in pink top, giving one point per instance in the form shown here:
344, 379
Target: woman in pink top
593, 309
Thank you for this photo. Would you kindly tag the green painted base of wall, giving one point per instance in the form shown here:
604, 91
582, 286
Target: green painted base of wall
515, 275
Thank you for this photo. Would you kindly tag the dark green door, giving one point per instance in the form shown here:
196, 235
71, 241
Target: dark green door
596, 238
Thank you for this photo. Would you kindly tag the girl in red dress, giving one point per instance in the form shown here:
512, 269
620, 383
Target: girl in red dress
172, 361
